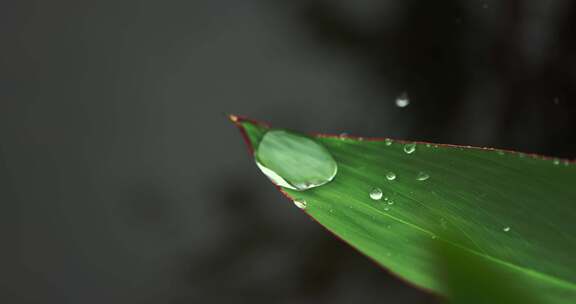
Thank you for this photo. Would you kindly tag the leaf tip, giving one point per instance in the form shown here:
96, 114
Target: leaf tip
233, 118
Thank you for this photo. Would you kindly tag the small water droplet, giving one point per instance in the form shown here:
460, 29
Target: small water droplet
500, 152
386, 198
376, 194
522, 155
556, 162
566, 162
422, 176
434, 236
506, 229
388, 141
386, 208
390, 176
410, 148
300, 203
390, 202
428, 145
402, 100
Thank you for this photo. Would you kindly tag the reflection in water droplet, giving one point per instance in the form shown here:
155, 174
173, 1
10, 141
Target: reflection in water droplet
422, 176
376, 194
409, 148
506, 229
402, 100
294, 161
390, 176
388, 141
300, 203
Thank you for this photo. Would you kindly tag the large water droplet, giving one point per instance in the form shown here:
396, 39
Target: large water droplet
422, 176
409, 148
402, 100
294, 161
300, 203
390, 176
376, 194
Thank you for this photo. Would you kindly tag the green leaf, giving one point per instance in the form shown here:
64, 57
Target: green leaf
470, 279
515, 212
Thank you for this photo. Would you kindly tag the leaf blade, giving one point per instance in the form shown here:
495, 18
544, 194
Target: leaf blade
476, 193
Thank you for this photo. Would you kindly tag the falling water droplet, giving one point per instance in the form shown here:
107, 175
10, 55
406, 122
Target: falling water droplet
300, 203
376, 194
402, 100
294, 161
422, 176
506, 229
390, 176
410, 148
388, 141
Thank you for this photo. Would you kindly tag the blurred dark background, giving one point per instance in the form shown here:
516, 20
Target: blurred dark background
122, 181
